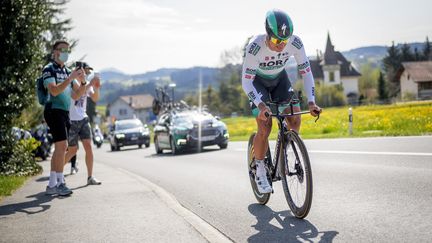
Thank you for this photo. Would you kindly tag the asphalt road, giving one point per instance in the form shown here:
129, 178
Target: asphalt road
365, 190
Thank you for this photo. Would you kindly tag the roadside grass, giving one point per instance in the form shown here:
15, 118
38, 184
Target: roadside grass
400, 119
101, 109
9, 184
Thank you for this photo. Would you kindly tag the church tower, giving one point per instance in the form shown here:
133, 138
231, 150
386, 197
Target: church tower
330, 64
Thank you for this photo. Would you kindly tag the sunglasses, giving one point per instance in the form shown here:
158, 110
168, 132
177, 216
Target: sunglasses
64, 50
277, 41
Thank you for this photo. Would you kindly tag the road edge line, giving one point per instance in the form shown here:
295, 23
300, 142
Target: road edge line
208, 231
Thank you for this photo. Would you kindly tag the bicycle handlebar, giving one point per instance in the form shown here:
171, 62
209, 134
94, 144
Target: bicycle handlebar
291, 114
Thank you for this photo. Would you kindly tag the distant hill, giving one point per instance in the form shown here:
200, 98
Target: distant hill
163, 72
374, 54
117, 83
113, 74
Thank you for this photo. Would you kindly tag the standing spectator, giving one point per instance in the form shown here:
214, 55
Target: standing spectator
74, 167
80, 126
58, 81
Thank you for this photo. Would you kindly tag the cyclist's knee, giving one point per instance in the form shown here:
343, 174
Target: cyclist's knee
295, 120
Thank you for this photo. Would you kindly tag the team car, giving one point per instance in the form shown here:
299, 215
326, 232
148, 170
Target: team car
189, 129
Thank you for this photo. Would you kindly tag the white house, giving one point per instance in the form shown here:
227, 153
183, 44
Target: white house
132, 106
333, 68
416, 79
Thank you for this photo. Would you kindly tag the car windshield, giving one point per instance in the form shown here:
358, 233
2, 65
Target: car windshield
182, 119
191, 117
128, 125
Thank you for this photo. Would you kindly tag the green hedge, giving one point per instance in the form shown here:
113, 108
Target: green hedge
22, 162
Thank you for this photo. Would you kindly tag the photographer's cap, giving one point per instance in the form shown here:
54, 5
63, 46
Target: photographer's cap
85, 65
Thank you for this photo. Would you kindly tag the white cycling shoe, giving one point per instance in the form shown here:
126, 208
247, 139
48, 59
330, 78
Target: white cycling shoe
263, 184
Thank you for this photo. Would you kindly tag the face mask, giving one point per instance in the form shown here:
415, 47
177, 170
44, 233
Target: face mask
63, 56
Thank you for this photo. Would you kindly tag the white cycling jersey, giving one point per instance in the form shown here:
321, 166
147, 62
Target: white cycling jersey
260, 60
78, 108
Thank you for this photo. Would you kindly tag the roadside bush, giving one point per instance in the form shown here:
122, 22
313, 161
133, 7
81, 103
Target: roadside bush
22, 162
325, 95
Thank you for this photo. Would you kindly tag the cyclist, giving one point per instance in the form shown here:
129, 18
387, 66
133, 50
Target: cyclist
264, 78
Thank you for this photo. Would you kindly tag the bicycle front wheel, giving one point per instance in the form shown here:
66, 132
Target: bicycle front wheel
296, 174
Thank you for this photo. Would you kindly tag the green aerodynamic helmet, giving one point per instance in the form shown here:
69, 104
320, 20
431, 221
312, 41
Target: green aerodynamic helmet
279, 25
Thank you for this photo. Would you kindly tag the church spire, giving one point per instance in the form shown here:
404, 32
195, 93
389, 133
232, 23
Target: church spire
329, 54
329, 45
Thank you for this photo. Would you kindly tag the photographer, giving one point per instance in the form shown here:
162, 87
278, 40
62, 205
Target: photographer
58, 80
80, 126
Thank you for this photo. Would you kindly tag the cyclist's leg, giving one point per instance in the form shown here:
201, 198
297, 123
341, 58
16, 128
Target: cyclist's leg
283, 92
261, 138
263, 127
261, 141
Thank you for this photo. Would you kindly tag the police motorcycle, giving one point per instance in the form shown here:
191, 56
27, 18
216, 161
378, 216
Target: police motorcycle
97, 137
40, 133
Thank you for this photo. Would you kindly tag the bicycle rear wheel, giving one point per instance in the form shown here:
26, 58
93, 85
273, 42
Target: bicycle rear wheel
262, 198
296, 173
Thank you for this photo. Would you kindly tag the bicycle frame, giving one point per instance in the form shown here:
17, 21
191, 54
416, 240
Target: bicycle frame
281, 138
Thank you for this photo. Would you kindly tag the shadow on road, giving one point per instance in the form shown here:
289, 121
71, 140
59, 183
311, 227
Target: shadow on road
183, 153
125, 149
29, 207
284, 227
43, 178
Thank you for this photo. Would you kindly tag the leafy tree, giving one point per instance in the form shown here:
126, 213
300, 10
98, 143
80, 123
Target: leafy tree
427, 52
382, 89
406, 54
417, 56
368, 81
22, 23
56, 28
325, 95
392, 63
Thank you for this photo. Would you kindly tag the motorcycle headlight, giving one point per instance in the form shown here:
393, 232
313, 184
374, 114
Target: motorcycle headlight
120, 135
97, 138
145, 133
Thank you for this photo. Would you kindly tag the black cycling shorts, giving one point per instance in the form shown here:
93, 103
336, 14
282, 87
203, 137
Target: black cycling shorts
275, 90
59, 123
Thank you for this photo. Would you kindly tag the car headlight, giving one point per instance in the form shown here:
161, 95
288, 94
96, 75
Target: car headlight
120, 135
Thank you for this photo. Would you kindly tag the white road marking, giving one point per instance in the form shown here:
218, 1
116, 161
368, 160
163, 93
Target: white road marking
369, 152
357, 152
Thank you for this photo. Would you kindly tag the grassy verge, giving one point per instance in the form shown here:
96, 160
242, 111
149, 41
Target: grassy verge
101, 109
401, 119
9, 184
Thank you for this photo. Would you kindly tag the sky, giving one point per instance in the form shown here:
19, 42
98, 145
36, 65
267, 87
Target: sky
136, 36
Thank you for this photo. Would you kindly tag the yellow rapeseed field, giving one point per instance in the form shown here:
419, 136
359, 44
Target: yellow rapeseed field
401, 119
